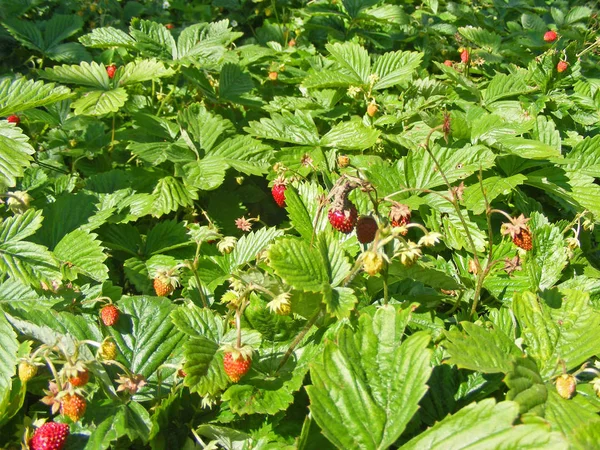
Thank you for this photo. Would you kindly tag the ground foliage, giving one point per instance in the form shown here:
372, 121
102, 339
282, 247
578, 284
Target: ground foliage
468, 133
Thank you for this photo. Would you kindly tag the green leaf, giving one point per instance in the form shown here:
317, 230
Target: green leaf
353, 59
526, 386
26, 33
98, 103
487, 426
528, 148
60, 27
138, 71
25, 261
205, 127
485, 39
339, 301
206, 174
234, 83
156, 153
336, 263
351, 135
8, 355
569, 416
426, 272
114, 421
153, 39
15, 152
271, 394
477, 348
298, 213
368, 368
585, 157
92, 75
170, 194
494, 187
328, 79
296, 129
420, 170
395, 67
503, 86
104, 37
249, 246
244, 154
23, 94
298, 264
83, 253
549, 255
557, 332
145, 336
165, 236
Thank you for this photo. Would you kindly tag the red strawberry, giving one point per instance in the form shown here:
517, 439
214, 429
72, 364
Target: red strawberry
110, 71
73, 406
562, 66
278, 192
550, 36
465, 56
80, 379
237, 362
169, 26
343, 220
109, 315
366, 228
523, 240
50, 436
448, 63
13, 118
372, 109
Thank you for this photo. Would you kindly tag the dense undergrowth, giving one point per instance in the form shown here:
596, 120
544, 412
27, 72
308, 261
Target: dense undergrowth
272, 225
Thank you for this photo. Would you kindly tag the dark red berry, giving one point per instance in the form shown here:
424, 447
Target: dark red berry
343, 220
13, 119
366, 228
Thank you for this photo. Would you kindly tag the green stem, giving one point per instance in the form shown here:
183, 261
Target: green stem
298, 339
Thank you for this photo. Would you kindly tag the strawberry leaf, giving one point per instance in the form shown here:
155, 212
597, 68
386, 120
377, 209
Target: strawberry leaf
487, 425
367, 367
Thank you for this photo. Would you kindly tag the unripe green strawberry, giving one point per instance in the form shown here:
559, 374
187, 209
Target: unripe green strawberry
109, 315
50, 436
73, 406
107, 350
27, 371
372, 263
566, 386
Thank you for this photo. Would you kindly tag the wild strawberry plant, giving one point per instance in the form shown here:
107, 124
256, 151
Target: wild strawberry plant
346, 224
